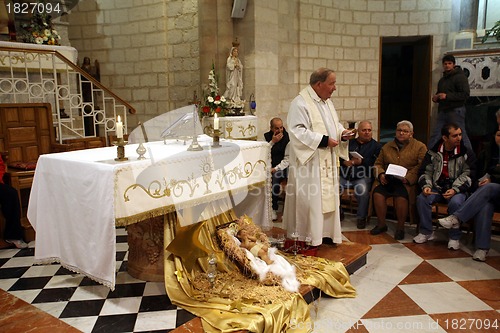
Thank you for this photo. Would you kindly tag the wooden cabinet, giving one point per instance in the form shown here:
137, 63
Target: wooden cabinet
26, 132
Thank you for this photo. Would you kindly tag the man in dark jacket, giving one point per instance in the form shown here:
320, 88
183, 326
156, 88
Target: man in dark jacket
447, 173
278, 140
357, 172
452, 93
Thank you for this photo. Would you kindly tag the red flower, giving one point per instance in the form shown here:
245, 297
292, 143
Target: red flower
217, 98
206, 109
218, 109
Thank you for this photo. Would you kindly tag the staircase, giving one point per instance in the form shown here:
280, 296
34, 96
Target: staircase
82, 108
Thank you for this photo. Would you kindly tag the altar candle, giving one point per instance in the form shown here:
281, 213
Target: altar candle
119, 128
216, 122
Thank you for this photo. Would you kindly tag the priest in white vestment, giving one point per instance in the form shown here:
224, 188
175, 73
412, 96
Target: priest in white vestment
317, 140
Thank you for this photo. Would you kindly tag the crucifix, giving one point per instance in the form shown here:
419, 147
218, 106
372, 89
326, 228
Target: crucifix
326, 167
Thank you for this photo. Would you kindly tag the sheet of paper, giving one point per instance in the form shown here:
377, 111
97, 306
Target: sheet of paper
396, 171
356, 154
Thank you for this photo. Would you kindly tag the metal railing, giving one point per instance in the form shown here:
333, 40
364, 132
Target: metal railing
81, 106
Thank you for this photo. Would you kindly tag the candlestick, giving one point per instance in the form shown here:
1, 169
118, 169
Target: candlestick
195, 146
120, 149
216, 122
216, 141
119, 128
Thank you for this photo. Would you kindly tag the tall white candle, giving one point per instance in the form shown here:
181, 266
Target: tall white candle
119, 128
216, 122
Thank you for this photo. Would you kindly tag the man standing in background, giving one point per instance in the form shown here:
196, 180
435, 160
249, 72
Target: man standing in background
452, 93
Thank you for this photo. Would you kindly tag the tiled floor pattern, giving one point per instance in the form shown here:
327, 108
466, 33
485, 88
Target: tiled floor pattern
405, 287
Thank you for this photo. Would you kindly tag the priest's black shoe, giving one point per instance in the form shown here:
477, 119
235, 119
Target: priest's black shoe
327, 240
399, 234
378, 230
361, 223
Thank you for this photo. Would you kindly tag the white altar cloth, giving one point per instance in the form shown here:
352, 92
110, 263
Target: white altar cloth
78, 197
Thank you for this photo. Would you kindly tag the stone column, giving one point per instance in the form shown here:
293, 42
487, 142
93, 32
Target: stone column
468, 15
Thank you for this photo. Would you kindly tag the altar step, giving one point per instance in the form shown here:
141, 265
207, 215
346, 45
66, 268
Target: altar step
17, 315
352, 255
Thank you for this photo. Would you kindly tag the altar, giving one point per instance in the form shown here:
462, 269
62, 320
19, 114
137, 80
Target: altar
33, 61
234, 127
78, 198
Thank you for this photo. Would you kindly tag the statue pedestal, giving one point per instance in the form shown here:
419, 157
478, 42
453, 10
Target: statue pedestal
236, 127
145, 256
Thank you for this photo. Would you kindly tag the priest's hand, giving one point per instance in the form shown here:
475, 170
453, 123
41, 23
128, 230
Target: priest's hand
332, 142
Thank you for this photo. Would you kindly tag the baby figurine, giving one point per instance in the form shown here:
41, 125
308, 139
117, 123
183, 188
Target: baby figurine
250, 243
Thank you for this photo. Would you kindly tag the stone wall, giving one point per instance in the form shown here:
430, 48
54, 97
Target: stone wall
156, 53
148, 50
292, 38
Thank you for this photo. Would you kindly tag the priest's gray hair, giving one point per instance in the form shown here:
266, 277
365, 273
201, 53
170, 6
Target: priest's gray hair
320, 75
405, 123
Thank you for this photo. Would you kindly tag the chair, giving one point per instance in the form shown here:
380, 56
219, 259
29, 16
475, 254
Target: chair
348, 200
3, 244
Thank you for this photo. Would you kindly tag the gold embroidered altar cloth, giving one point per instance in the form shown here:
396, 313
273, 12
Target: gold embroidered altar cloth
79, 197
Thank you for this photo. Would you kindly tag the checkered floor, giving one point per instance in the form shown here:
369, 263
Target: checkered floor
134, 305
404, 287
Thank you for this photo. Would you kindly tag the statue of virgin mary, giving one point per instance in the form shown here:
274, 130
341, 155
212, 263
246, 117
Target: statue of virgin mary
234, 76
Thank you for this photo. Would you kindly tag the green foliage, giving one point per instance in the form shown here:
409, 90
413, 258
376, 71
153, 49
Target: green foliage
493, 32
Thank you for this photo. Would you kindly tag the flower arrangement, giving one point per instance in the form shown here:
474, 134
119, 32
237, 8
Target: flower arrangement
40, 30
214, 103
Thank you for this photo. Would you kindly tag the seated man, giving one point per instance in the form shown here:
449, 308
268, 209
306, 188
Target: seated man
446, 177
11, 209
482, 203
357, 173
249, 242
278, 140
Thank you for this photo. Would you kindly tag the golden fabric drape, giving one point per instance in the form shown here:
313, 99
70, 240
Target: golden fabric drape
220, 314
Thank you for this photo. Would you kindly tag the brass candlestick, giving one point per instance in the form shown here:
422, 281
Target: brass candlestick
216, 142
120, 147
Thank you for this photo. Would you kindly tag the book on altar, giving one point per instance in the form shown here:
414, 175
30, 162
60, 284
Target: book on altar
396, 170
355, 154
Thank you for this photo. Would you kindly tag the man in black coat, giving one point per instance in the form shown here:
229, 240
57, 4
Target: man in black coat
452, 93
278, 140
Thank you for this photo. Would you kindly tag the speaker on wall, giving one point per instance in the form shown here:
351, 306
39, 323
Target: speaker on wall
239, 8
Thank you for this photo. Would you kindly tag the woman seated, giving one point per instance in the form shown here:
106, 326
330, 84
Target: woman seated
407, 152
